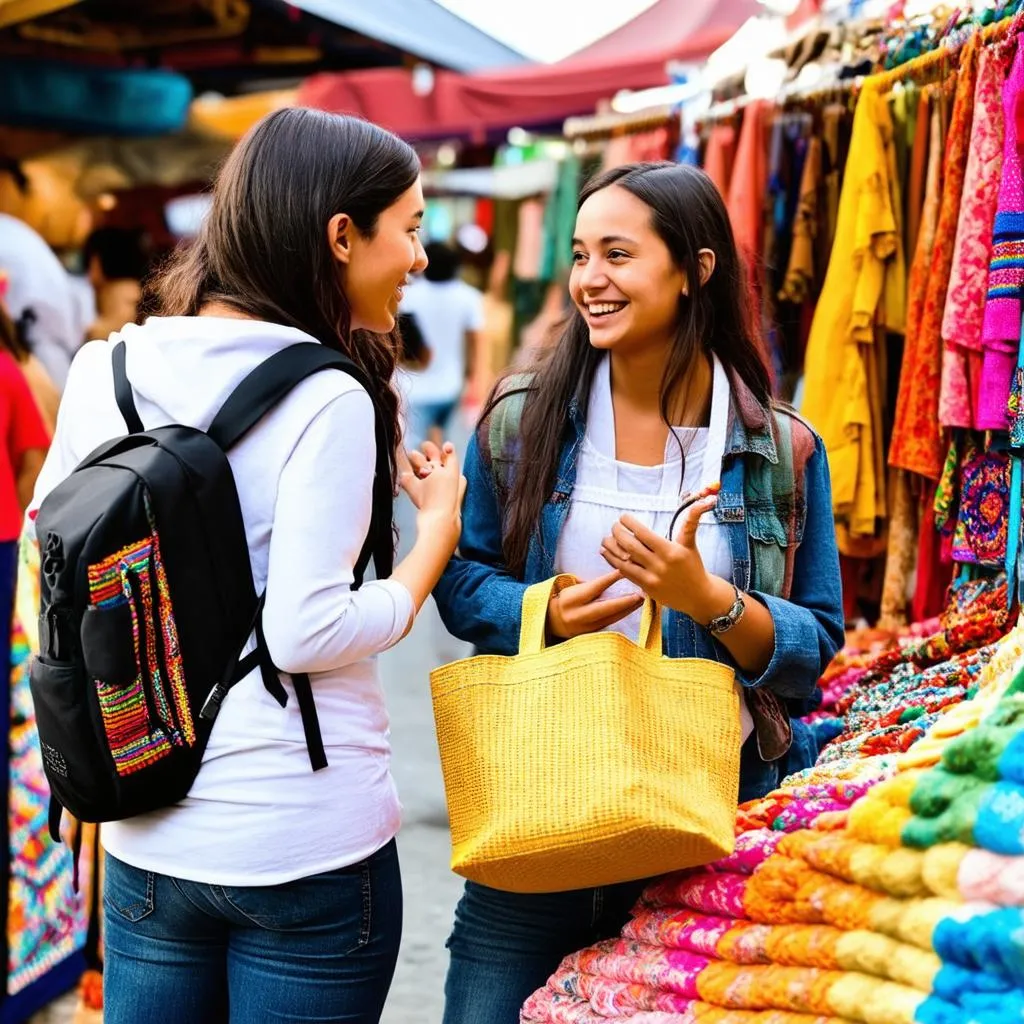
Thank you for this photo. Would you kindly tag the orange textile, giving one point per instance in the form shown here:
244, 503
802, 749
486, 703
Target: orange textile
750, 180
917, 442
720, 156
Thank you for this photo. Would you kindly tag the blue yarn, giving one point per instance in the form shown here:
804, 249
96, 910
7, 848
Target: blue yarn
956, 984
999, 825
988, 947
971, 1007
1011, 762
937, 1011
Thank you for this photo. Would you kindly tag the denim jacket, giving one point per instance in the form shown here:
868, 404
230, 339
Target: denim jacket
784, 542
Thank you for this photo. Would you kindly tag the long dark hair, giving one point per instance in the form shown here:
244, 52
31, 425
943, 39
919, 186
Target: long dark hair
688, 214
263, 249
13, 333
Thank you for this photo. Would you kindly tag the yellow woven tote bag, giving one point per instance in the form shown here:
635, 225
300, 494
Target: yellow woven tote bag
590, 762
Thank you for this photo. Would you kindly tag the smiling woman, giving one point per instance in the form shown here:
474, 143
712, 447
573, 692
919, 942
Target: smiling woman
272, 891
643, 459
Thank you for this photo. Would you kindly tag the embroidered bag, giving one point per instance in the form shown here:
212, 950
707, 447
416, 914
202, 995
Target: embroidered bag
147, 600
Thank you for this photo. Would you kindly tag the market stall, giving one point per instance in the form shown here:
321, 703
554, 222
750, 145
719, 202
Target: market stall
876, 196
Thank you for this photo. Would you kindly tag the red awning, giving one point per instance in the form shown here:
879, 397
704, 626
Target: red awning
674, 30
633, 57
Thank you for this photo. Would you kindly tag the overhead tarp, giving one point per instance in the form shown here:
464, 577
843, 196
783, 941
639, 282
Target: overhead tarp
68, 97
674, 30
421, 27
481, 105
512, 182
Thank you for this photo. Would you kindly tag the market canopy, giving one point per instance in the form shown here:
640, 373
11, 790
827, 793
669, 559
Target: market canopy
671, 30
422, 27
489, 103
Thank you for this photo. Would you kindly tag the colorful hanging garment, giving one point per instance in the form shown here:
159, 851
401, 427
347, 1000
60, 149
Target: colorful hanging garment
1001, 331
917, 443
968, 277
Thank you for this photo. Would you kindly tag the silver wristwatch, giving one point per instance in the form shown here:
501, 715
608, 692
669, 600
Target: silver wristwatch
723, 623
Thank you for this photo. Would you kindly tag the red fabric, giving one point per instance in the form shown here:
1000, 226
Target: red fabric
22, 428
748, 185
634, 57
934, 572
485, 215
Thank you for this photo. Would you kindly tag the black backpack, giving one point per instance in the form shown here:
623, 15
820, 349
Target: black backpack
147, 599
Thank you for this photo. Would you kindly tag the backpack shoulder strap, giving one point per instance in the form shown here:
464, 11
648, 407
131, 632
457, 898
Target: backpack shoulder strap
270, 382
257, 394
123, 391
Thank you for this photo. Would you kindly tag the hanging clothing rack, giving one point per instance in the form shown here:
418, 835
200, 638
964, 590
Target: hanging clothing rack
947, 54
606, 126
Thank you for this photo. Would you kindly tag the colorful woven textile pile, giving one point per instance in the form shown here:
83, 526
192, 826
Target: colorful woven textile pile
883, 886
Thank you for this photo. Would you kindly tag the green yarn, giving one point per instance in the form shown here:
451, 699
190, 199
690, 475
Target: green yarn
909, 714
978, 752
939, 790
955, 824
1017, 683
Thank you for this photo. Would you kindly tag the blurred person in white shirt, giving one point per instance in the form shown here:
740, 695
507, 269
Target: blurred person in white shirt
40, 296
449, 315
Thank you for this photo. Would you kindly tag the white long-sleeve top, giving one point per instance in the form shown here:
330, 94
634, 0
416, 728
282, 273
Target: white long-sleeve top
257, 814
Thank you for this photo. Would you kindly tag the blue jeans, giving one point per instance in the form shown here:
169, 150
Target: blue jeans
322, 949
423, 416
506, 945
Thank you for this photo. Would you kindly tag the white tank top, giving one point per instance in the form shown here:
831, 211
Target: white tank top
606, 489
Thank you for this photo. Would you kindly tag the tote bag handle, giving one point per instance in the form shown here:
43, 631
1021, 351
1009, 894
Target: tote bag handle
533, 632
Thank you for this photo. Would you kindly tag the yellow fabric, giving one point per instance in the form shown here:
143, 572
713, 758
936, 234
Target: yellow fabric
880, 815
231, 117
14, 11
864, 998
887, 958
580, 764
911, 921
858, 294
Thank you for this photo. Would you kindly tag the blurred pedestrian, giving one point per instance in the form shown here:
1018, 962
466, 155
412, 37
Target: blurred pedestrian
273, 892
450, 315
26, 438
40, 295
116, 262
12, 338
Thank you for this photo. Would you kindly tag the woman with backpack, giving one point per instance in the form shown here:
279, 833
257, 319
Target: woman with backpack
643, 456
272, 892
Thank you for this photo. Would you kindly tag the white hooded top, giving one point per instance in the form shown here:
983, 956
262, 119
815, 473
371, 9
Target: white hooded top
257, 814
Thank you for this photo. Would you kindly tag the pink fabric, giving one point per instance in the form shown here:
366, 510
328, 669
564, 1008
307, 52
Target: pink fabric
709, 893
964, 315
992, 878
752, 849
548, 1007
1001, 330
996, 375
639, 963
686, 930
968, 281
956, 408
965, 312
613, 998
